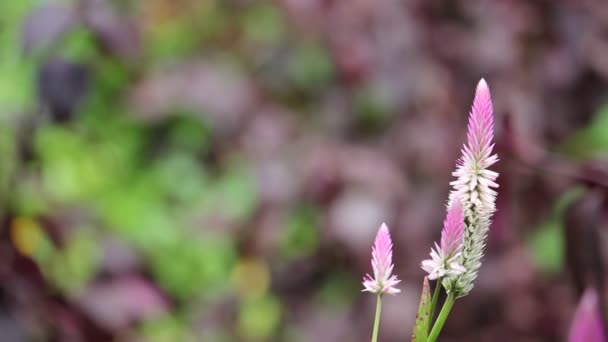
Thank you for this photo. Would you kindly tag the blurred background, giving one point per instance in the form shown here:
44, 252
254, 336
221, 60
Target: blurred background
216, 170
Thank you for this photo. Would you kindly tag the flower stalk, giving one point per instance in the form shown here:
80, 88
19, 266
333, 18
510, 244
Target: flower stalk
443, 316
434, 301
377, 318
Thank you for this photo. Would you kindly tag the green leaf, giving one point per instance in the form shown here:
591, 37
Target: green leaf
591, 141
546, 244
301, 234
423, 318
259, 319
547, 247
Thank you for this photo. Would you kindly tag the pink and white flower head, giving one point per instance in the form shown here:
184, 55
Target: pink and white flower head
382, 263
445, 257
587, 324
474, 186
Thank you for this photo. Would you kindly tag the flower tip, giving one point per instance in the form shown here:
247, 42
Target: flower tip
383, 228
482, 86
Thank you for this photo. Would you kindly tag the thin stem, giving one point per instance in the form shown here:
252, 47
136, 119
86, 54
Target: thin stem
443, 315
377, 319
434, 302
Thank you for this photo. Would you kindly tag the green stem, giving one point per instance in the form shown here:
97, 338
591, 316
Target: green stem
434, 302
377, 319
443, 315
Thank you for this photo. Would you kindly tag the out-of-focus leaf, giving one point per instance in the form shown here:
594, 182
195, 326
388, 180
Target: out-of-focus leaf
30, 239
72, 267
219, 92
192, 267
174, 29
46, 24
258, 319
423, 318
251, 278
116, 32
168, 328
26, 198
301, 235
340, 290
116, 304
233, 196
311, 67
590, 141
8, 166
139, 215
16, 83
75, 169
262, 23
372, 109
546, 244
181, 177
79, 45
189, 134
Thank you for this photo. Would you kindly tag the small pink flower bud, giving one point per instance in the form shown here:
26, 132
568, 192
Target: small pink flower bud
444, 258
382, 263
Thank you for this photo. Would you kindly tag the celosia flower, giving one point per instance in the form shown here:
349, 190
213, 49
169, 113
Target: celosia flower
445, 257
474, 188
382, 263
587, 324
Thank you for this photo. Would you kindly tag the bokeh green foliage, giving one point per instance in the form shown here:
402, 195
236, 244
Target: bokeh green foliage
16, 83
591, 141
547, 244
153, 191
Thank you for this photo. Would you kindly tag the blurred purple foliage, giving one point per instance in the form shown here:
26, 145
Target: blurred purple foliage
216, 170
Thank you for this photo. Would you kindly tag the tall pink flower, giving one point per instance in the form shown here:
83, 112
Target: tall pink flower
474, 188
474, 181
587, 325
382, 263
444, 258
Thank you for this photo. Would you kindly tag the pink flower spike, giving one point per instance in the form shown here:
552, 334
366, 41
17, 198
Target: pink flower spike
481, 124
453, 230
382, 263
474, 188
587, 325
444, 260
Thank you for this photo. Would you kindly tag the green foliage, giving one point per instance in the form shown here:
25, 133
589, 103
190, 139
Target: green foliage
73, 266
340, 290
372, 109
192, 267
301, 235
259, 318
233, 195
75, 168
591, 141
546, 244
168, 328
79, 45
262, 24
423, 317
17, 81
310, 67
175, 35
